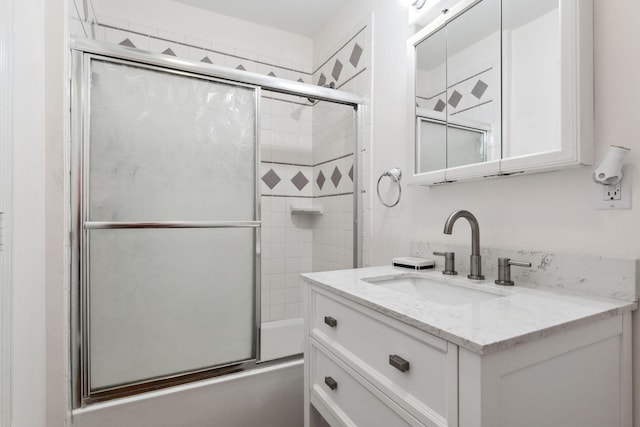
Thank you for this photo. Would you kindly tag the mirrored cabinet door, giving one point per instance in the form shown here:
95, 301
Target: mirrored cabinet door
473, 90
431, 104
501, 87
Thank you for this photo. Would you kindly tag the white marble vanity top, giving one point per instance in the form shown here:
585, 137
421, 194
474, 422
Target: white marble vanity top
523, 314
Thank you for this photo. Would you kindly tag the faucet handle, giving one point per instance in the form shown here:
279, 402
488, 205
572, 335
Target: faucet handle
504, 270
449, 263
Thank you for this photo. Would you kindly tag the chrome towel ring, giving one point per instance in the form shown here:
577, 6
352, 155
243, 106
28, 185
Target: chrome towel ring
395, 174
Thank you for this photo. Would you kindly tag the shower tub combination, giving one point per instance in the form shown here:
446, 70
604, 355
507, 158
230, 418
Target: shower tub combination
166, 273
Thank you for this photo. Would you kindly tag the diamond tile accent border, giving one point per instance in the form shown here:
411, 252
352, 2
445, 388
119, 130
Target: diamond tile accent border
321, 180
455, 98
147, 38
336, 176
479, 89
271, 179
440, 105
206, 60
356, 53
300, 181
337, 69
335, 171
127, 43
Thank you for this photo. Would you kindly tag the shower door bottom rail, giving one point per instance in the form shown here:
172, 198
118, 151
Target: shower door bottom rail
110, 225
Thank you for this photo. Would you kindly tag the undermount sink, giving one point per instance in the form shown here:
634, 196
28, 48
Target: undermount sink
435, 291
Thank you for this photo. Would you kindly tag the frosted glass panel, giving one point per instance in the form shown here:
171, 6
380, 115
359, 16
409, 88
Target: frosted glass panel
169, 301
166, 146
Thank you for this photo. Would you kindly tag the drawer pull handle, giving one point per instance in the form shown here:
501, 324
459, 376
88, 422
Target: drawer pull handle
398, 362
331, 383
330, 321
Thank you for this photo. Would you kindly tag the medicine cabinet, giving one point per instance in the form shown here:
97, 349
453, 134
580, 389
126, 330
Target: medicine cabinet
500, 87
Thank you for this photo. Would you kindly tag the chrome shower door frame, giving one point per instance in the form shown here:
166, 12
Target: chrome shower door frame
80, 226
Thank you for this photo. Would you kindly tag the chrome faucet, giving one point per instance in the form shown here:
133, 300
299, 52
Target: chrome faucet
476, 262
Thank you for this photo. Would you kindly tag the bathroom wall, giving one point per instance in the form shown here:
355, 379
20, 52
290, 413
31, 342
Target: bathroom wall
551, 211
24, 391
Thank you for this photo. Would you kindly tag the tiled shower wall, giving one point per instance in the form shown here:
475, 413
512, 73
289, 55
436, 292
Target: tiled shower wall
335, 154
307, 153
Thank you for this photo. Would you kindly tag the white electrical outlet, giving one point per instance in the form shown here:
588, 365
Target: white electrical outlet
612, 192
614, 196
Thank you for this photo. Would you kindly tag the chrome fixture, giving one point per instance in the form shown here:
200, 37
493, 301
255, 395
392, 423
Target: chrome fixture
314, 101
449, 263
609, 171
394, 174
504, 270
417, 3
475, 272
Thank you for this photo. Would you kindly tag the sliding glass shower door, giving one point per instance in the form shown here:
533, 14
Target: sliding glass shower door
168, 225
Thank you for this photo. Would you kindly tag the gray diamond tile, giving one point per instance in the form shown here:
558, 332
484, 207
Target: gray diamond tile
321, 179
351, 173
127, 43
455, 98
479, 89
337, 69
240, 67
356, 53
272, 74
300, 80
336, 176
169, 52
299, 180
440, 105
206, 60
322, 80
271, 179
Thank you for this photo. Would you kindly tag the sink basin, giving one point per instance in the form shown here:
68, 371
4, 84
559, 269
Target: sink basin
435, 291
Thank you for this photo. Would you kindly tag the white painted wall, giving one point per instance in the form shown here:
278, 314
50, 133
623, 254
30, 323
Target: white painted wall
28, 216
552, 211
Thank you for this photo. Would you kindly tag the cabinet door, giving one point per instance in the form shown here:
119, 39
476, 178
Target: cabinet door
547, 84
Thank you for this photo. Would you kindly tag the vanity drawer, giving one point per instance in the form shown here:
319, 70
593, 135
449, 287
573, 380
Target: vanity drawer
415, 368
345, 398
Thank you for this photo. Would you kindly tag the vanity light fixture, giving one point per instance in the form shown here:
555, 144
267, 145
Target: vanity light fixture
415, 3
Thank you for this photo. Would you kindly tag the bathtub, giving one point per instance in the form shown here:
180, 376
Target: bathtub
281, 338
266, 397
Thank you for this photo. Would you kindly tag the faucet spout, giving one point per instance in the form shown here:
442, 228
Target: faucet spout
476, 261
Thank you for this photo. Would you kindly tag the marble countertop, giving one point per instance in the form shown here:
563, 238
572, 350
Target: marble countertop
521, 314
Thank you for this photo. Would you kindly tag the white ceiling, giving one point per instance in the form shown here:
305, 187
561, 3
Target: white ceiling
304, 17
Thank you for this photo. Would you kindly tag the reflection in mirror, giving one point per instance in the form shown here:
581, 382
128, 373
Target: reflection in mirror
431, 96
531, 76
458, 91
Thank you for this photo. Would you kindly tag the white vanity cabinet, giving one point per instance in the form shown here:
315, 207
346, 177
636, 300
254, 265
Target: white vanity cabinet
421, 389
364, 366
